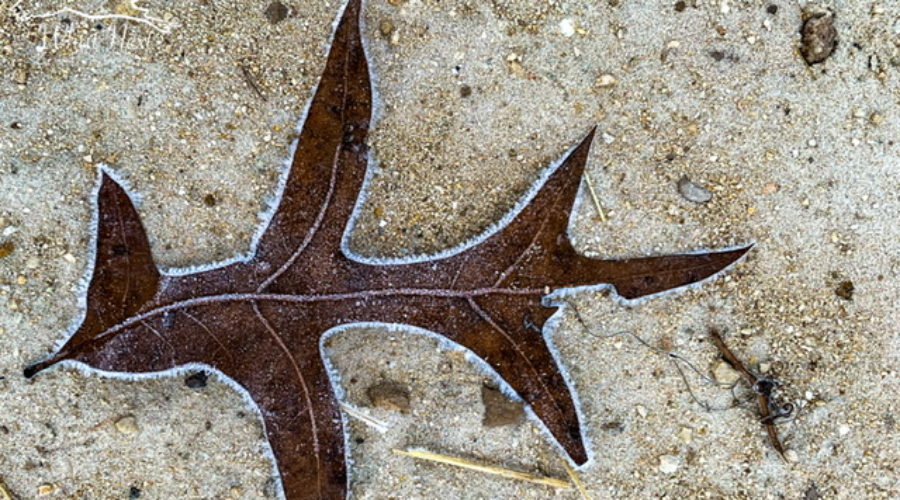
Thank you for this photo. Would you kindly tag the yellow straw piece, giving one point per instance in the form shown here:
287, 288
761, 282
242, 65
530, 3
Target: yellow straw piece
594, 197
577, 480
4, 492
490, 469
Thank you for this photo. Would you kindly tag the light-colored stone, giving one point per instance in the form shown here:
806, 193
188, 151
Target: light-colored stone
606, 80
686, 435
668, 464
725, 374
692, 191
127, 425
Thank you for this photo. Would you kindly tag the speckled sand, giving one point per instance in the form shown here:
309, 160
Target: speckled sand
801, 160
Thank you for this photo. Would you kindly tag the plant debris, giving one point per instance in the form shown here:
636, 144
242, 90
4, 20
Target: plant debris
490, 469
763, 387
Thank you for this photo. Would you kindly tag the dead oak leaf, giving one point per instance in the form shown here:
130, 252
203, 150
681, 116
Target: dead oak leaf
259, 321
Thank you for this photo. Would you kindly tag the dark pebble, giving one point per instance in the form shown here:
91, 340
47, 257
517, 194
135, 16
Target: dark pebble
844, 290
210, 200
818, 38
276, 12
772, 9
196, 380
465, 91
680, 6
812, 493
134, 492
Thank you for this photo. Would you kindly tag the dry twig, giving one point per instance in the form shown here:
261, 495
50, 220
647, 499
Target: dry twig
490, 469
597, 205
365, 418
248, 77
761, 386
573, 474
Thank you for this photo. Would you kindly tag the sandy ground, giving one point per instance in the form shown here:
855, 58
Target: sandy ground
477, 98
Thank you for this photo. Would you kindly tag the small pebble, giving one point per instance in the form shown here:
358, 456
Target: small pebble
196, 380
606, 80
389, 395
127, 425
567, 27
771, 188
498, 409
818, 37
686, 435
69, 258
6, 248
642, 411
725, 374
20, 75
46, 489
276, 12
812, 493
693, 192
843, 430
791, 456
844, 290
668, 464
386, 28
134, 493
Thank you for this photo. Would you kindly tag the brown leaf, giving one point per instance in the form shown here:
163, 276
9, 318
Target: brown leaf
259, 321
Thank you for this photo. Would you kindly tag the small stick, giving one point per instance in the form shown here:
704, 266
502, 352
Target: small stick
5, 493
762, 396
364, 418
490, 469
577, 480
594, 197
249, 78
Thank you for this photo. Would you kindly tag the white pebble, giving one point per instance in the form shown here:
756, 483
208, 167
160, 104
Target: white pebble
606, 80
567, 27
642, 411
668, 464
686, 434
844, 430
725, 374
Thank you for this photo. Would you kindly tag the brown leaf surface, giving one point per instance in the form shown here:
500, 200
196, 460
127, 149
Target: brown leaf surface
259, 321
